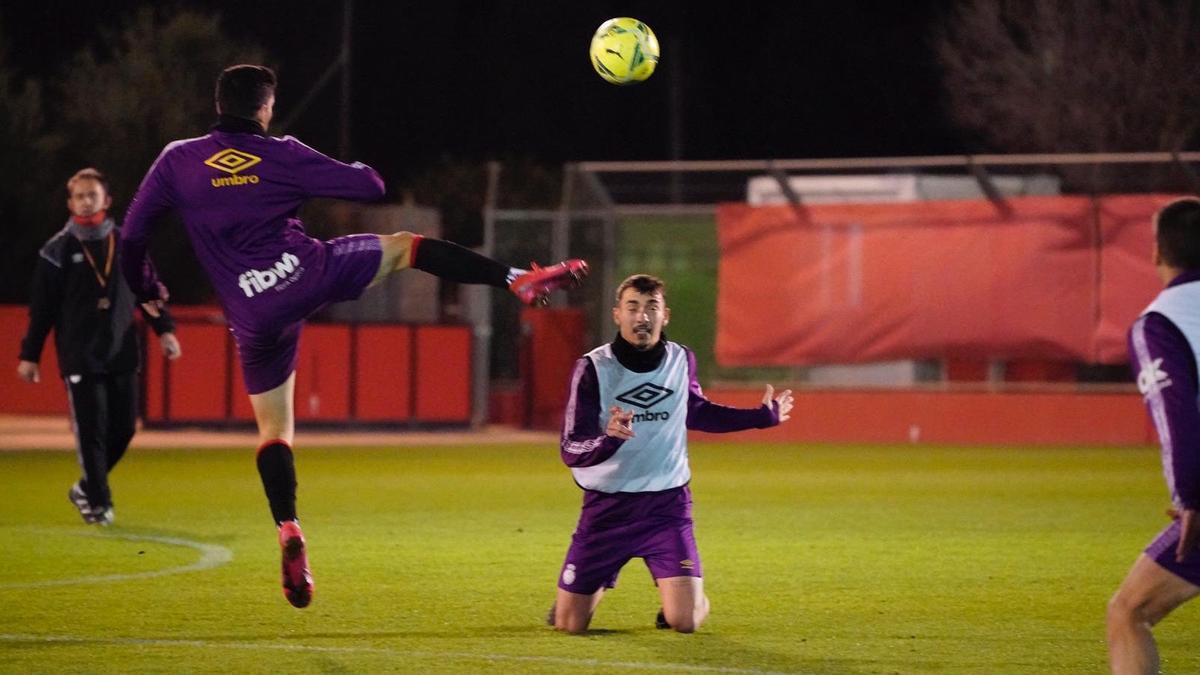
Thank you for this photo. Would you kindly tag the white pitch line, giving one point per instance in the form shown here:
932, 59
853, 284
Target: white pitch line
211, 555
458, 656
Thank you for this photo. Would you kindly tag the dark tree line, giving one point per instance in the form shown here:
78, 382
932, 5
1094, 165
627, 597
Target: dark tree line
113, 106
1074, 75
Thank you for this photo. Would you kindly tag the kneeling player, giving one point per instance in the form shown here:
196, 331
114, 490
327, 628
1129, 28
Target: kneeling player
633, 467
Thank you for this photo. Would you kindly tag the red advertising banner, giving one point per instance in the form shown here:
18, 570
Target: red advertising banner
1056, 278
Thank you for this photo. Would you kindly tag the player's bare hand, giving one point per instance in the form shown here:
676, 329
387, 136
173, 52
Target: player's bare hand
29, 371
620, 423
784, 399
1189, 533
170, 346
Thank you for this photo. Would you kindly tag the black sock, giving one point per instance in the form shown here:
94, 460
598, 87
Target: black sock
455, 263
278, 471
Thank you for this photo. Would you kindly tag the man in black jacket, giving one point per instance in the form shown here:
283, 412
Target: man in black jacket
78, 292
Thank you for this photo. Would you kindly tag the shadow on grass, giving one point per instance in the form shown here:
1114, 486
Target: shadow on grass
451, 633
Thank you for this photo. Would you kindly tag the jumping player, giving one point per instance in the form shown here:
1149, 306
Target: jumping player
1164, 346
237, 191
633, 467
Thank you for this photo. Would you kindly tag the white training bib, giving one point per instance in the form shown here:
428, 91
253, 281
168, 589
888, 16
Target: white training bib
656, 457
1181, 304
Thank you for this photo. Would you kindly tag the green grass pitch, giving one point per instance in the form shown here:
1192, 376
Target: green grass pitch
817, 560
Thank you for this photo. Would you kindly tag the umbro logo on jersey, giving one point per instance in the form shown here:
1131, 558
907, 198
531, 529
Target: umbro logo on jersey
645, 395
233, 162
1153, 378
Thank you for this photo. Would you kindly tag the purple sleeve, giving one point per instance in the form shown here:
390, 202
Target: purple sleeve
1167, 378
704, 415
152, 201
584, 442
323, 176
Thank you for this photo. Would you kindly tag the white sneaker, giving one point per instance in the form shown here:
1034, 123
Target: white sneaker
79, 500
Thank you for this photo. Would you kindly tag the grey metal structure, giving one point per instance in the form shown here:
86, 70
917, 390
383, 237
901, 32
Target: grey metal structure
597, 195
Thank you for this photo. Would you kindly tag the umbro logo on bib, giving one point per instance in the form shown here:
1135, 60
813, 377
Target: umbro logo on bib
645, 395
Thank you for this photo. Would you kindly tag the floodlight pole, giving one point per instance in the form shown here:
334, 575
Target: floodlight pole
341, 65
590, 185
676, 108
560, 234
479, 307
344, 130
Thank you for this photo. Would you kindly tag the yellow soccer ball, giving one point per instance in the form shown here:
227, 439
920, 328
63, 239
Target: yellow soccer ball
624, 50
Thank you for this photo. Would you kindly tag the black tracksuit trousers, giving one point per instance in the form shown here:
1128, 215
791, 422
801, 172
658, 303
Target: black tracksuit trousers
103, 416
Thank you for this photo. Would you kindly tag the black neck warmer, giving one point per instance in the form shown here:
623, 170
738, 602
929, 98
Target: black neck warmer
639, 360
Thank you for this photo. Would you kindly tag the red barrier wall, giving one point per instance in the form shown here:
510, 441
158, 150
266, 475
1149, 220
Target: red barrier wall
1058, 278
383, 373
551, 341
323, 373
945, 417
443, 373
16, 397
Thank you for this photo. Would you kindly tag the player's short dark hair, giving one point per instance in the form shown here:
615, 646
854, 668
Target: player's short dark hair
1178, 233
88, 174
243, 89
642, 283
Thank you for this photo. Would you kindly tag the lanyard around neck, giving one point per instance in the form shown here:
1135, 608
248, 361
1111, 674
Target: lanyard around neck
102, 279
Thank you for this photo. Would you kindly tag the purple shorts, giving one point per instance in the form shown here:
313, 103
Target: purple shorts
1162, 551
615, 528
267, 343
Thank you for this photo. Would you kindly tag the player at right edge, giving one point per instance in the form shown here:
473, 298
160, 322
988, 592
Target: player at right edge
1164, 346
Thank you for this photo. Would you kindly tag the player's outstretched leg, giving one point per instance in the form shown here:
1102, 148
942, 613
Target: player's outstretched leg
533, 286
452, 262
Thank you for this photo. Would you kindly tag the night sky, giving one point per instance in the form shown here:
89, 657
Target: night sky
479, 79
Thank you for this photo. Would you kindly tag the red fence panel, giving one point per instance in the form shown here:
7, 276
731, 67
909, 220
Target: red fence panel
196, 383
47, 397
552, 340
323, 373
1128, 280
383, 367
443, 373
1056, 278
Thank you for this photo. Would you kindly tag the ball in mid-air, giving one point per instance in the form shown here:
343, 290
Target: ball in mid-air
624, 50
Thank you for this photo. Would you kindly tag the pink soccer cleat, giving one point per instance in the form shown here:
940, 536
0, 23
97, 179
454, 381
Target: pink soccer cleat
533, 286
297, 579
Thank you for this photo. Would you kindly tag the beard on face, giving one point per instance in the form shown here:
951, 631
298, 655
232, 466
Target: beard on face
643, 333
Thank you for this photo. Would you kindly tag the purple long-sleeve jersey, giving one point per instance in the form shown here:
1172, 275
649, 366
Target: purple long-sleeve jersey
584, 443
1167, 377
237, 195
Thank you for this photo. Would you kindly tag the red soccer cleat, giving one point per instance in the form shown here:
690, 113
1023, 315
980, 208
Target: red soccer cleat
297, 579
533, 286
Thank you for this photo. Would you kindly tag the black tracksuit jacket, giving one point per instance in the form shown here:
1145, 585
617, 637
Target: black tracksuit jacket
66, 296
